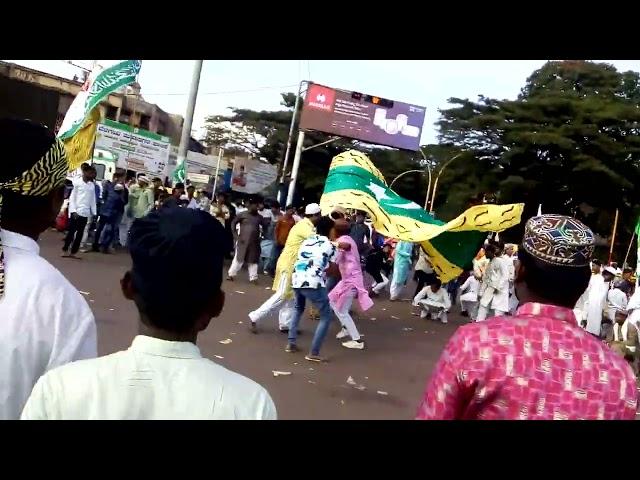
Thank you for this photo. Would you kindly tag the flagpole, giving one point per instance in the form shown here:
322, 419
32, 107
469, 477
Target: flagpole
626, 257
613, 236
188, 118
215, 182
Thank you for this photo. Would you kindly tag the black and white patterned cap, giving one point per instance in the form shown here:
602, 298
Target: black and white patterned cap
559, 240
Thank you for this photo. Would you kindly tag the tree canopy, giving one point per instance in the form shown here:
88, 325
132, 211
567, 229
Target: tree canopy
570, 141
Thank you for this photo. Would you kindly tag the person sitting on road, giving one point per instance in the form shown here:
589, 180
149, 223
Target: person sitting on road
434, 301
623, 338
163, 374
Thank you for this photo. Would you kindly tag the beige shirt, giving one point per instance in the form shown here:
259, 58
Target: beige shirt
153, 380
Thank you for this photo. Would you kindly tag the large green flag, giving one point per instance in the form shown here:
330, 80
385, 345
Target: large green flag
354, 182
78, 129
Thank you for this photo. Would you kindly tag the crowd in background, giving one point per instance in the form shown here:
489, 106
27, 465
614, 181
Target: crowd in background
553, 335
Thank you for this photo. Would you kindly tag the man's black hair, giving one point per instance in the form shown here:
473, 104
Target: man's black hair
559, 285
191, 187
595, 261
275, 204
183, 242
490, 247
623, 286
627, 270
437, 282
290, 207
324, 226
156, 179
179, 185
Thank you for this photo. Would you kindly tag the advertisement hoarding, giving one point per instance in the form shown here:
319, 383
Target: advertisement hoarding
362, 117
251, 176
133, 148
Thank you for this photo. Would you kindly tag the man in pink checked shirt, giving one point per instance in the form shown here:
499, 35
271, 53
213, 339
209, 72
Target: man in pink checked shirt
538, 364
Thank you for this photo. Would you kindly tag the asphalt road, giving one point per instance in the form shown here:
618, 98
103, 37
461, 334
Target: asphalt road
401, 348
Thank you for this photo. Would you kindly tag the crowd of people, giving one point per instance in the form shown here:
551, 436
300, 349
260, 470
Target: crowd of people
550, 335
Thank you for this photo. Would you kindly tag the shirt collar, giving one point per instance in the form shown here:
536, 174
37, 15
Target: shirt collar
18, 241
164, 348
544, 310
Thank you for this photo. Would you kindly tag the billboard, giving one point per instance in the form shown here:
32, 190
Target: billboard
251, 176
133, 148
362, 117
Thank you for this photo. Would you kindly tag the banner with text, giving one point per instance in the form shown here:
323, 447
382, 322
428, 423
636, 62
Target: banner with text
134, 148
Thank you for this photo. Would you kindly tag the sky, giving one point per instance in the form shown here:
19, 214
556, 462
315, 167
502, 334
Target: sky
257, 84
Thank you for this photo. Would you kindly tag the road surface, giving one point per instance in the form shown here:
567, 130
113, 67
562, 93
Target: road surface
401, 348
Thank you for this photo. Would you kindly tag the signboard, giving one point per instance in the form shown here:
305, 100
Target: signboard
198, 178
134, 148
362, 117
251, 176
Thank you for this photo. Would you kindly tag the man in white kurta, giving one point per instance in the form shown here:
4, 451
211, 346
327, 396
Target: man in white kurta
469, 296
163, 374
434, 301
44, 321
595, 299
494, 290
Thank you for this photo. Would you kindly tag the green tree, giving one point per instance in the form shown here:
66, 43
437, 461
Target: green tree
571, 141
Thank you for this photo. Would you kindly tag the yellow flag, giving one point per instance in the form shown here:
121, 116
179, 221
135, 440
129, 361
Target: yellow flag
80, 146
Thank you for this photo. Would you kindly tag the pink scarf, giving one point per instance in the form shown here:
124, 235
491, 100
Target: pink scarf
351, 273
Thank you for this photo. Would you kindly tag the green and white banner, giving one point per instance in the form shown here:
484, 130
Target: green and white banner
100, 84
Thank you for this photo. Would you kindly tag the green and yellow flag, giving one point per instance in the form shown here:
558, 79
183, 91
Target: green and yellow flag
354, 182
78, 129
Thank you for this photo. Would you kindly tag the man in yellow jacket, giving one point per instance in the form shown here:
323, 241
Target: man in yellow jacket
283, 297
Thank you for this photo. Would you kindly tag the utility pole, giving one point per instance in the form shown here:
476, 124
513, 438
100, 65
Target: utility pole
285, 161
188, 118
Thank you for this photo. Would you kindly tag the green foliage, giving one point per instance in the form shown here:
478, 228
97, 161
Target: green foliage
570, 139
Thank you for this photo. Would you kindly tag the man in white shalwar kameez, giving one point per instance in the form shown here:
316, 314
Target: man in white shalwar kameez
494, 290
510, 258
433, 300
594, 302
469, 296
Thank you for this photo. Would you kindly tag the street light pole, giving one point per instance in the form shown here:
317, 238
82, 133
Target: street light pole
402, 175
435, 183
426, 198
188, 119
285, 161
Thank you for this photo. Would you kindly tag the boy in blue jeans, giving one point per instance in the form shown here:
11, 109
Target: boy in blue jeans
309, 279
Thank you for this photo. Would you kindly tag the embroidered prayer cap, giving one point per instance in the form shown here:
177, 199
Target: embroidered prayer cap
559, 240
34, 162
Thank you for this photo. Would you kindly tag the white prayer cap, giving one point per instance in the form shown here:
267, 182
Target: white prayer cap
312, 209
610, 270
